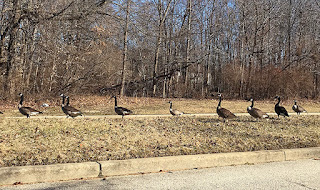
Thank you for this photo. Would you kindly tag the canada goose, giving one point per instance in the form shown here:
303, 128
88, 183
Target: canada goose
120, 110
279, 109
45, 105
174, 112
1, 112
224, 113
67, 109
255, 112
28, 111
298, 108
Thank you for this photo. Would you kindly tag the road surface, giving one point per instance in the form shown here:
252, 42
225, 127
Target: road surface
289, 175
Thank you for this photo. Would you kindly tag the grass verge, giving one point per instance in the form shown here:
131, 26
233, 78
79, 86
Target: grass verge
40, 141
102, 105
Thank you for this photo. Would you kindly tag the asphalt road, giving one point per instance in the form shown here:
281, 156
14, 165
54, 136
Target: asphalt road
290, 175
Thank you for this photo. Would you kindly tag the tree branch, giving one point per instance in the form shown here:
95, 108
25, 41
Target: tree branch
60, 12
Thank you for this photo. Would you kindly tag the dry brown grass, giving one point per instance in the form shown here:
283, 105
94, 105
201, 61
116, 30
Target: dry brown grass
101, 105
39, 141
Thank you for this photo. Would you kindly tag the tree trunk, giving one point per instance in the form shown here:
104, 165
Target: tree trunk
186, 80
162, 18
125, 51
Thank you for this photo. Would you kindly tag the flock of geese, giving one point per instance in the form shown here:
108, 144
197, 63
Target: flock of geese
66, 108
222, 112
254, 112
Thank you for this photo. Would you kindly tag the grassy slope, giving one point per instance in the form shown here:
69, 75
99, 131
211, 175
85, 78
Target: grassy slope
49, 141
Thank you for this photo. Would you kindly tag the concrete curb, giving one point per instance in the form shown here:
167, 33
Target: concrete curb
174, 163
57, 172
45, 173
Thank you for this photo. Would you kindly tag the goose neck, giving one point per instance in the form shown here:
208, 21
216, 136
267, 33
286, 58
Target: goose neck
278, 101
21, 101
219, 104
67, 103
115, 102
63, 101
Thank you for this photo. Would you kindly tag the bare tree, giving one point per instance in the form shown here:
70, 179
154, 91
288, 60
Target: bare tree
162, 17
125, 49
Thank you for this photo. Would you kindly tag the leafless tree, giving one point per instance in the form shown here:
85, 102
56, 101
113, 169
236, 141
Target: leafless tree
163, 48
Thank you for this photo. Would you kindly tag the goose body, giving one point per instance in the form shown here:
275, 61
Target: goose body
280, 110
174, 112
27, 111
67, 109
255, 112
120, 110
224, 113
298, 109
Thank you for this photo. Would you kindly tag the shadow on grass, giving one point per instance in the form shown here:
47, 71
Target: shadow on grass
238, 119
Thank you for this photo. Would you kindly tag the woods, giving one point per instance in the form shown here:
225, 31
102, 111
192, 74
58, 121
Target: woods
160, 48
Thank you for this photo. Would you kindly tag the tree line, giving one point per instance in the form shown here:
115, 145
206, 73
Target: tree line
160, 48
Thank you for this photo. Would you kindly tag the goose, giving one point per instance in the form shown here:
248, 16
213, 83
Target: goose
69, 110
174, 112
279, 109
298, 108
224, 113
28, 111
1, 112
255, 112
120, 110
45, 105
